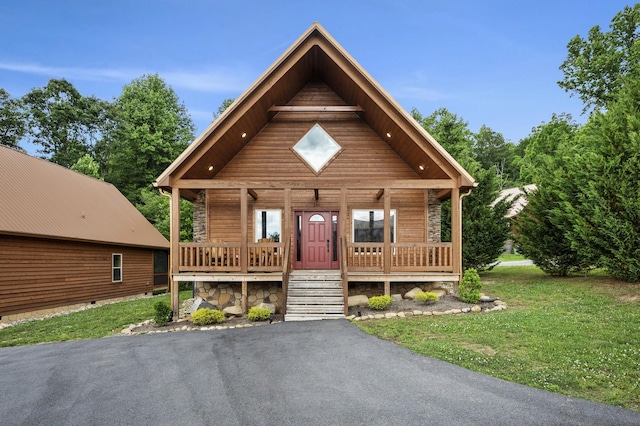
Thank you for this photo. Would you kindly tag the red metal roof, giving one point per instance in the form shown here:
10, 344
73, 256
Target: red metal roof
42, 199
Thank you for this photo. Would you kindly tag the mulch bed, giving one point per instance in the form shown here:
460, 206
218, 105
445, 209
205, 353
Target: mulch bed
445, 303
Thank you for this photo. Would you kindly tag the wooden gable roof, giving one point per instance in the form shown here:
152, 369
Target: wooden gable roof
45, 200
314, 57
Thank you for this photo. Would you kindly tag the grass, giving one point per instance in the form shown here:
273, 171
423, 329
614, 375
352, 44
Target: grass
577, 336
93, 323
507, 257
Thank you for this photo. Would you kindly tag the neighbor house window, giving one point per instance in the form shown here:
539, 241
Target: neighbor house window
368, 226
116, 268
268, 224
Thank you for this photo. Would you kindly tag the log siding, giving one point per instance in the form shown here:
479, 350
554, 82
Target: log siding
38, 273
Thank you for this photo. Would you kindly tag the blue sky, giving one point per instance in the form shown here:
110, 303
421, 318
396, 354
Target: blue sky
490, 62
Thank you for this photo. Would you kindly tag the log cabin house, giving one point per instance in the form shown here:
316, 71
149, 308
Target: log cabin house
68, 240
312, 183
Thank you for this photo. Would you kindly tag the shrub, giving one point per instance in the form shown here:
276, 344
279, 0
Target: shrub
380, 303
427, 297
163, 313
470, 287
206, 316
258, 314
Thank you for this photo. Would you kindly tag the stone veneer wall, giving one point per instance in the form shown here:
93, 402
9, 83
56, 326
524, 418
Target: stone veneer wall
200, 218
435, 215
223, 295
370, 289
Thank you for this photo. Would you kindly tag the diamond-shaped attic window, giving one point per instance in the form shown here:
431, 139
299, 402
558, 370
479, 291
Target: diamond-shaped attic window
317, 148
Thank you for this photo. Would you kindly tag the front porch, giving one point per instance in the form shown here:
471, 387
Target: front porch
268, 262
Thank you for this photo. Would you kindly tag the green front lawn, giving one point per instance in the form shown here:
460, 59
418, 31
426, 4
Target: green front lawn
576, 336
506, 257
102, 321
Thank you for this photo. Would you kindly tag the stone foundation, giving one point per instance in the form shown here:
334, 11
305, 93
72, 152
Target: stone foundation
370, 289
223, 295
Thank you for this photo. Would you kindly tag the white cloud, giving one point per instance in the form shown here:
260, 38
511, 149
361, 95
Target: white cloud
207, 81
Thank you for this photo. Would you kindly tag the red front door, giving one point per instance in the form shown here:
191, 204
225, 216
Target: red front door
318, 240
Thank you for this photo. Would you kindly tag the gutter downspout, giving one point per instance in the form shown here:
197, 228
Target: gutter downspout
461, 197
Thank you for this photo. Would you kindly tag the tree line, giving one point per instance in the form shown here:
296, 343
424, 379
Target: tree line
584, 213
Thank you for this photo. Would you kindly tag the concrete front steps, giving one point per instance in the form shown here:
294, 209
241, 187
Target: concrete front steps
314, 295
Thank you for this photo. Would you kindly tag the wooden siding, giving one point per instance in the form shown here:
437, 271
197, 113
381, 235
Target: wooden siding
268, 156
223, 207
40, 274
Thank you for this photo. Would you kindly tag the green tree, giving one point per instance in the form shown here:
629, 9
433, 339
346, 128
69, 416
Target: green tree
596, 66
540, 231
606, 164
491, 150
226, 103
63, 122
452, 133
87, 166
155, 208
542, 227
542, 147
12, 120
485, 227
152, 128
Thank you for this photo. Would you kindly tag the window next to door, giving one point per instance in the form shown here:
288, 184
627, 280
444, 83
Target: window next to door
268, 224
116, 268
368, 226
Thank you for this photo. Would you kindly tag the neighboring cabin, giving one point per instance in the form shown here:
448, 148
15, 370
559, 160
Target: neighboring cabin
69, 239
312, 186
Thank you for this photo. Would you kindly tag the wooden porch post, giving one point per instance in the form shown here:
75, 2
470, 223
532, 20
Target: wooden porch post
244, 217
243, 301
387, 231
456, 231
174, 225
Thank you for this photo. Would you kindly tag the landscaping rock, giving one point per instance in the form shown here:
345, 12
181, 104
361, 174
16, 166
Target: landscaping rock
411, 294
389, 315
476, 308
440, 292
232, 311
396, 297
270, 306
358, 300
204, 305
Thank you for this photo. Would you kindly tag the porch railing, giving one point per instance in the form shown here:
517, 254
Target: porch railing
405, 257
357, 257
226, 257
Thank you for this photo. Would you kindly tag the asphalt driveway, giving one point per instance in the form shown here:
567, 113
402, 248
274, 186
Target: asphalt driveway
317, 373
